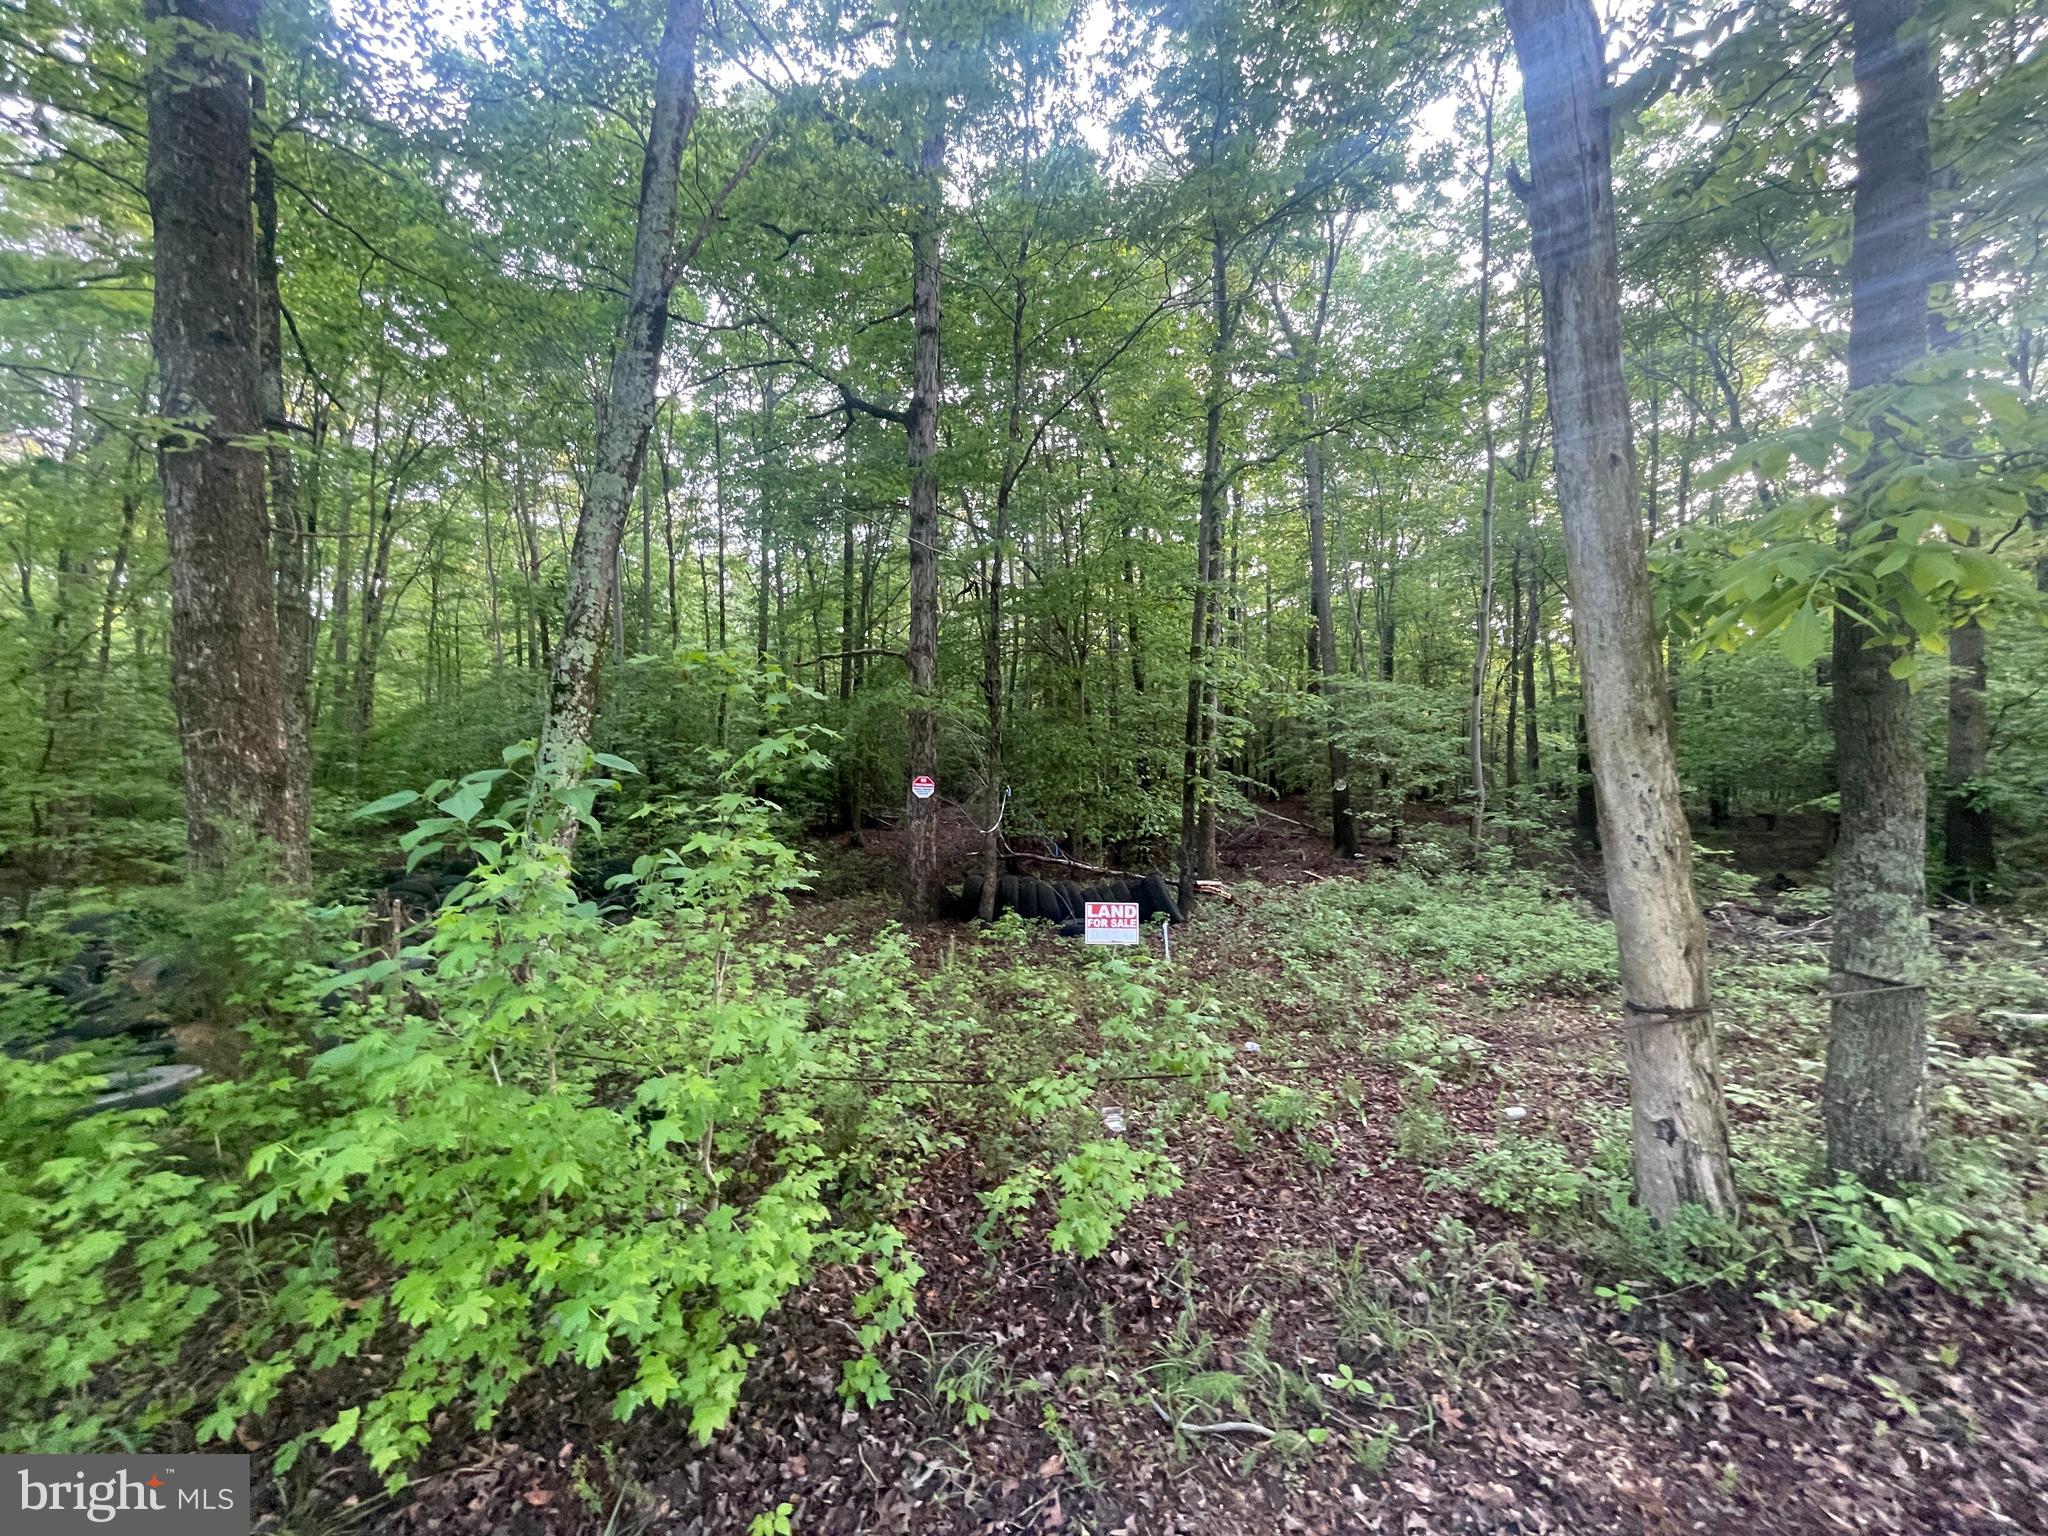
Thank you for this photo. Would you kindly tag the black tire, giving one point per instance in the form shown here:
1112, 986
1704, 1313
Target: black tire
1052, 902
1006, 895
1070, 894
1027, 896
970, 898
1155, 897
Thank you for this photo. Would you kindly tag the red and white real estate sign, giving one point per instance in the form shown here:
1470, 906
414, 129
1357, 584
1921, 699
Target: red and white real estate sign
1111, 922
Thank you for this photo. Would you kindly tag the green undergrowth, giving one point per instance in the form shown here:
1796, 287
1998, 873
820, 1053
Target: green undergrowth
540, 1142
1807, 1238
539, 1147
1504, 931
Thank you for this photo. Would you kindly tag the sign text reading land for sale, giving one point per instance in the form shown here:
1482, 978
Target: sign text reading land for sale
1111, 922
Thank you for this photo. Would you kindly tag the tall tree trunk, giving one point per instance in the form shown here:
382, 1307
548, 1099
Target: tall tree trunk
227, 682
1483, 626
647, 557
1322, 639
1530, 744
338, 619
628, 413
1197, 762
1873, 1099
1969, 850
291, 531
1513, 676
1679, 1124
1343, 825
668, 537
992, 640
921, 817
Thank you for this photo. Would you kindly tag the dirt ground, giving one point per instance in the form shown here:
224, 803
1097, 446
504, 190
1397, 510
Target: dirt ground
1516, 1399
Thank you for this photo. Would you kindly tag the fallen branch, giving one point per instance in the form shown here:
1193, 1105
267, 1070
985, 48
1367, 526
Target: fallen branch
1055, 858
1226, 1427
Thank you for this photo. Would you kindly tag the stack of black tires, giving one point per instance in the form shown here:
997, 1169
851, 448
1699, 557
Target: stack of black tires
1063, 901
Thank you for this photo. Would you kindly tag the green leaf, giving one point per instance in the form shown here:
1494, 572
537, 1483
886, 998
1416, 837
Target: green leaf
467, 801
1806, 636
342, 1430
390, 802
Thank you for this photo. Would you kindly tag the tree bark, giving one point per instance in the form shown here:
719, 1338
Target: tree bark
1483, 625
921, 817
1873, 1098
1322, 646
628, 413
1197, 787
1531, 746
226, 680
1679, 1124
291, 529
992, 640
668, 535
1513, 675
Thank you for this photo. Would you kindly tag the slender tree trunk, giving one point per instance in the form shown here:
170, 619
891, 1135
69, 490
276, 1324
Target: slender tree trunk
1197, 768
1529, 740
1680, 1127
668, 538
1513, 675
227, 683
1873, 1098
847, 583
1343, 825
338, 618
992, 641
378, 540
1968, 848
1969, 851
647, 557
117, 572
483, 487
1483, 625
921, 817
542, 650
718, 512
291, 532
628, 413
615, 599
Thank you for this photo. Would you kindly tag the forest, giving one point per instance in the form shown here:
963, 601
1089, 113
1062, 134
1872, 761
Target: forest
1123, 766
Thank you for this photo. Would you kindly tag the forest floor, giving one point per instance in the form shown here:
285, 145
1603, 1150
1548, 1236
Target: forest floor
1328, 1326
